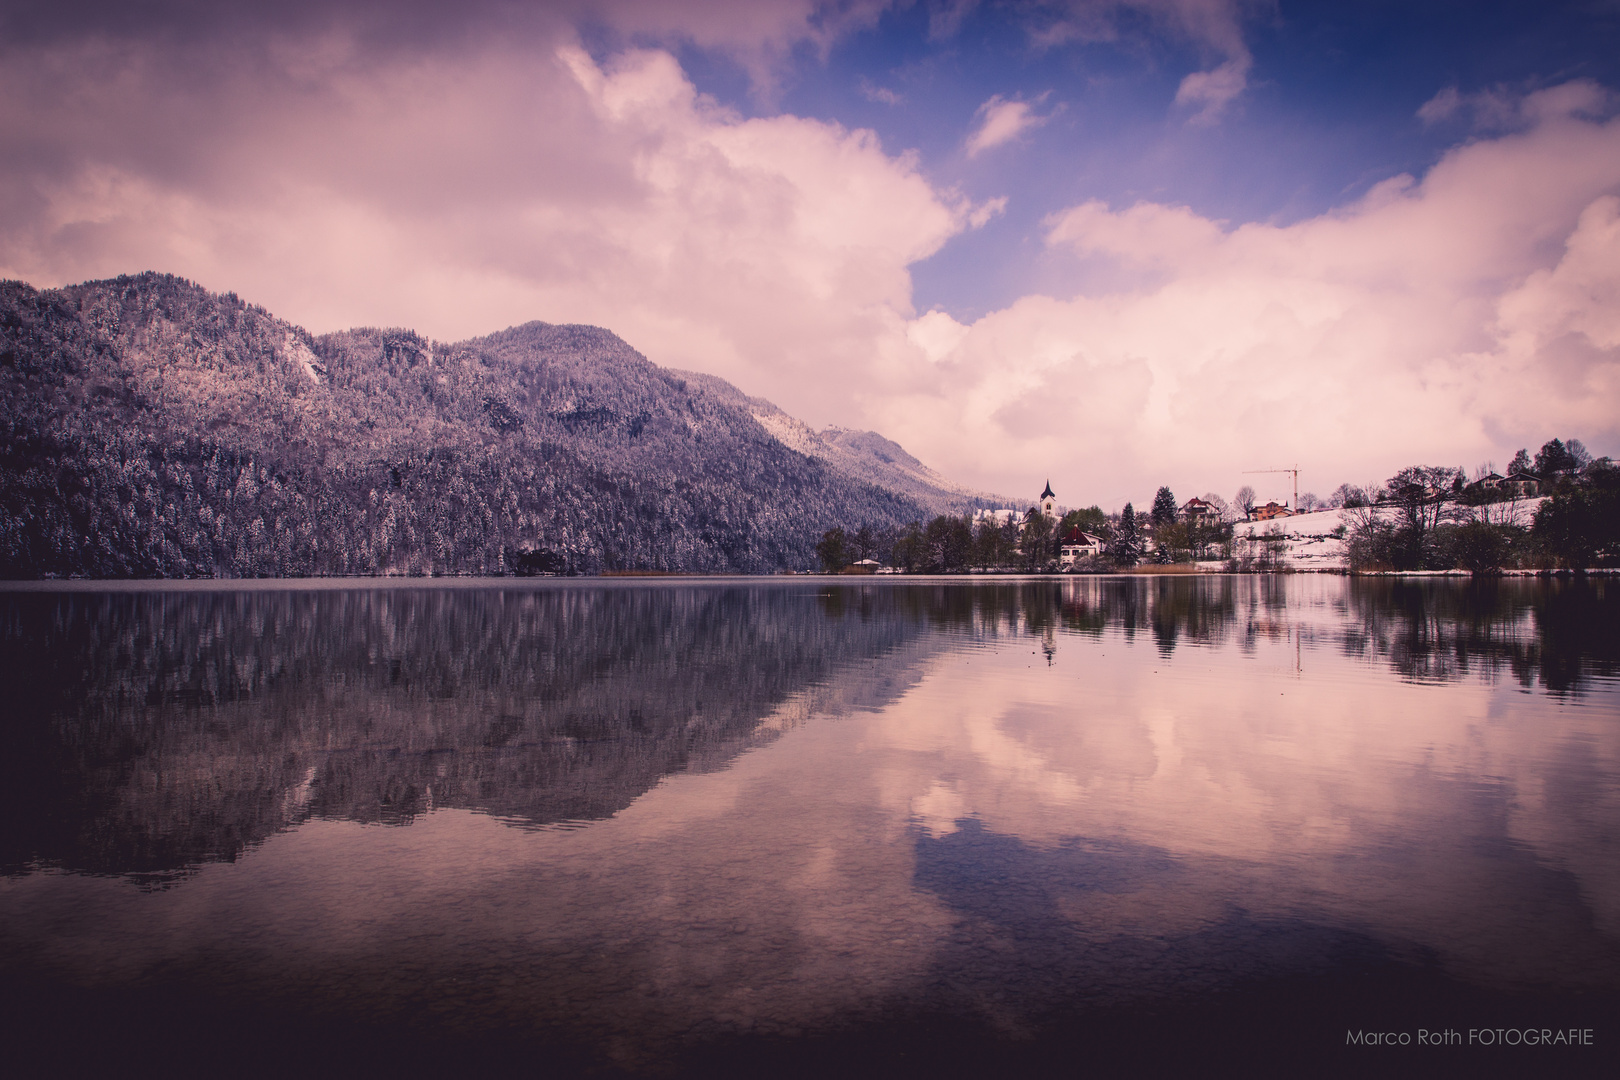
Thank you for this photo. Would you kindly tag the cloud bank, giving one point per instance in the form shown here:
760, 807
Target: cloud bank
463, 193
1450, 319
344, 172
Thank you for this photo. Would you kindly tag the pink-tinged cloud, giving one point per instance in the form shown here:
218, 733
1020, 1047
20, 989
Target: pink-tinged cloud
1499, 109
1448, 320
759, 34
462, 194
1213, 26
1001, 121
487, 182
1211, 91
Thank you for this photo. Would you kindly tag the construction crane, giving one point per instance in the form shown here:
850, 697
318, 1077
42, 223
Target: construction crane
1295, 470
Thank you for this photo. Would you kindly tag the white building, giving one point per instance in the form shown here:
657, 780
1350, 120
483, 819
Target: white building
1077, 545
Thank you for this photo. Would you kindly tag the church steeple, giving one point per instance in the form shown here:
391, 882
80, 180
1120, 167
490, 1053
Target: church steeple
1049, 502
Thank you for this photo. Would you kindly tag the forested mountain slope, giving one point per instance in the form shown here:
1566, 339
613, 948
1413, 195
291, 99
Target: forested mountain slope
151, 428
860, 455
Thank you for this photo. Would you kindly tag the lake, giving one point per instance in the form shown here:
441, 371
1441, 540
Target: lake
812, 826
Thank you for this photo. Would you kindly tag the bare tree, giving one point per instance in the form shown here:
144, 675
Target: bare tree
1420, 492
1347, 495
1515, 512
1220, 505
1244, 500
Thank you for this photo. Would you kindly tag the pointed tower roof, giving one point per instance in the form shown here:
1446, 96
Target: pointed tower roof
1049, 493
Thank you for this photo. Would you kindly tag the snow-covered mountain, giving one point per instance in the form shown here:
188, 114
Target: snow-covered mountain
151, 428
860, 455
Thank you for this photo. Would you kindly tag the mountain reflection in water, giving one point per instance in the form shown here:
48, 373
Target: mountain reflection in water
653, 823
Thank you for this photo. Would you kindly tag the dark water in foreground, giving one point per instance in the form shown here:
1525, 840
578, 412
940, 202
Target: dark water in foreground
1123, 825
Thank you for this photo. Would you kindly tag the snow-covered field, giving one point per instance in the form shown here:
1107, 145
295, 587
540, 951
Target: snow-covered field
1308, 541
1314, 542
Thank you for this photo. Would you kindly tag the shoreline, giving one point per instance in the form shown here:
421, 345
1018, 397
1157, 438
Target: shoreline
622, 578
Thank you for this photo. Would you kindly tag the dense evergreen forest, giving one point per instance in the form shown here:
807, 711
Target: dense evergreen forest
153, 429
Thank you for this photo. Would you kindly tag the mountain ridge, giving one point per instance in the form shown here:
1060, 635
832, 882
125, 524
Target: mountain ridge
156, 429
864, 455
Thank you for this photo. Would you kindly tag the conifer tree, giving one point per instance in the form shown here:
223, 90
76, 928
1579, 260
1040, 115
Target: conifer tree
1125, 548
1164, 507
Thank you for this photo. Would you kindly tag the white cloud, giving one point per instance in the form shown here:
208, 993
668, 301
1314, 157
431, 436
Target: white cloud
871, 91
460, 198
980, 215
1502, 109
1450, 319
1001, 121
1211, 91
936, 334
1443, 106
760, 34
1447, 320
1214, 26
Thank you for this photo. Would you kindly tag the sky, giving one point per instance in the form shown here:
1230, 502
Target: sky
1113, 244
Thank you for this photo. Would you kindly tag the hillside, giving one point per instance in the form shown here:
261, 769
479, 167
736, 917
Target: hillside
859, 455
152, 428
1316, 541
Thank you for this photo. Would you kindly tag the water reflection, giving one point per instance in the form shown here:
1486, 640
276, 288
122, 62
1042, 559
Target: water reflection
807, 807
148, 732
1554, 633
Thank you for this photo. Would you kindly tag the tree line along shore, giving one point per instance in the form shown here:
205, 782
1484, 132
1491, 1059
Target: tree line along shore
1559, 510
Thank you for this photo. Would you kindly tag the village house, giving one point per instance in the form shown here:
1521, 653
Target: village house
1198, 512
1521, 485
1076, 545
1271, 510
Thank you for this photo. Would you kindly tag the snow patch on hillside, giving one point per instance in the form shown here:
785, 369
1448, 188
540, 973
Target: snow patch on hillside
295, 351
794, 434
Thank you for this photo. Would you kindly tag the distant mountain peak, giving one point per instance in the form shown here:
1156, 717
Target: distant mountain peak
862, 455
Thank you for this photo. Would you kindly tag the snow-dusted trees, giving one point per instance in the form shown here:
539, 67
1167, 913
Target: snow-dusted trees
1164, 507
150, 428
1125, 546
1038, 542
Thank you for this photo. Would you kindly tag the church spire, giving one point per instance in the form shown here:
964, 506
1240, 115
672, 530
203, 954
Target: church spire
1049, 493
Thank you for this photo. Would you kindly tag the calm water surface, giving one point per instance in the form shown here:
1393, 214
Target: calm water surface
1121, 824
